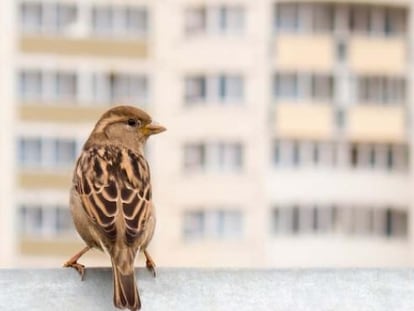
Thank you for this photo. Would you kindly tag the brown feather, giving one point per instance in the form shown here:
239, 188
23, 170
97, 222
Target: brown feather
111, 195
115, 194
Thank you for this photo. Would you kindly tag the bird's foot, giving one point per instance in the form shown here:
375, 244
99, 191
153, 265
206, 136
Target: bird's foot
150, 263
151, 267
77, 266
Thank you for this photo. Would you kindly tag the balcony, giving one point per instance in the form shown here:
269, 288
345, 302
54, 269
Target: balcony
376, 124
305, 52
32, 180
379, 56
304, 120
37, 112
93, 47
52, 247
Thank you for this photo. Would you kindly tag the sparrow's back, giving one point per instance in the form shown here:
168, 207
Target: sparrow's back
111, 197
114, 187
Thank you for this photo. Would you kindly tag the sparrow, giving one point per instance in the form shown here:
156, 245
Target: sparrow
111, 199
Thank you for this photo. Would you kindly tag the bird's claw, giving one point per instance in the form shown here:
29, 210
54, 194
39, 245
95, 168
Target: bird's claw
151, 267
77, 266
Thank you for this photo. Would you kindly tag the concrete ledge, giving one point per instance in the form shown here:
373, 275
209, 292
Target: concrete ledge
197, 289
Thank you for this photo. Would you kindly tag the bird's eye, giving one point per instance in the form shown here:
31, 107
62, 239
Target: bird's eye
133, 122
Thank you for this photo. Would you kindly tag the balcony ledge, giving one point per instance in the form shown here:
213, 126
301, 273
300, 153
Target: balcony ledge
212, 289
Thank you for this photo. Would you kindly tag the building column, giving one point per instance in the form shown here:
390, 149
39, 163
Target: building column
8, 224
409, 125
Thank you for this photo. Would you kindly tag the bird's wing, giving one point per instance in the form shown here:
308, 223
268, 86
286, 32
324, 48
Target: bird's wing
108, 175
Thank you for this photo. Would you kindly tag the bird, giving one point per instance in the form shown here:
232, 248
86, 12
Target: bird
111, 197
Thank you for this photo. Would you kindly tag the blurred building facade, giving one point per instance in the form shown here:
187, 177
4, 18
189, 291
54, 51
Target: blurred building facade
288, 126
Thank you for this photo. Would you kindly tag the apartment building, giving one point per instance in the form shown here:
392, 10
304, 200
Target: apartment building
289, 124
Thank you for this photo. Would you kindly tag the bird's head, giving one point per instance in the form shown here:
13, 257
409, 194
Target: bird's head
126, 125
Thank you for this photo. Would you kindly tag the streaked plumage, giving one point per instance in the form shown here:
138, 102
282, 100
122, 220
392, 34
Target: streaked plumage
111, 199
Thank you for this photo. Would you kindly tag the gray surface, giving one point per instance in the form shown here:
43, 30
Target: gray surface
197, 289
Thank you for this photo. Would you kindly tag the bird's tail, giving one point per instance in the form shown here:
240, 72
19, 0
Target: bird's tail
126, 294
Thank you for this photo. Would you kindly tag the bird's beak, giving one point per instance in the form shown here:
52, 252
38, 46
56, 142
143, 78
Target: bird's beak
153, 128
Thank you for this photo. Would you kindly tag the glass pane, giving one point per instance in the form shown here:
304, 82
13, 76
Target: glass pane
194, 225
102, 20
30, 151
65, 152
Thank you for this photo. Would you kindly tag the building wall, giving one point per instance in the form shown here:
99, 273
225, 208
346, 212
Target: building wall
313, 138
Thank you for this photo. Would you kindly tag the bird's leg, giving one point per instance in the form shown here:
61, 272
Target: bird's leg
150, 263
73, 262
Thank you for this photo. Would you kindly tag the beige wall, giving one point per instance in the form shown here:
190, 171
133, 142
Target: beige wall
84, 47
44, 180
378, 56
167, 56
376, 124
304, 52
69, 113
304, 121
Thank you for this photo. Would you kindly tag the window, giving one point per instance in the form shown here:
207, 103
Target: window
65, 152
220, 19
65, 16
50, 18
194, 157
346, 220
232, 19
359, 19
323, 17
66, 86
128, 89
117, 88
381, 90
222, 89
231, 88
114, 21
287, 17
196, 89
397, 221
102, 20
31, 17
395, 22
378, 21
306, 153
136, 21
322, 87
48, 86
30, 151
318, 87
195, 20
294, 153
30, 85
286, 85
218, 157
194, 223
379, 157
229, 156
304, 17
40, 152
45, 220
218, 224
